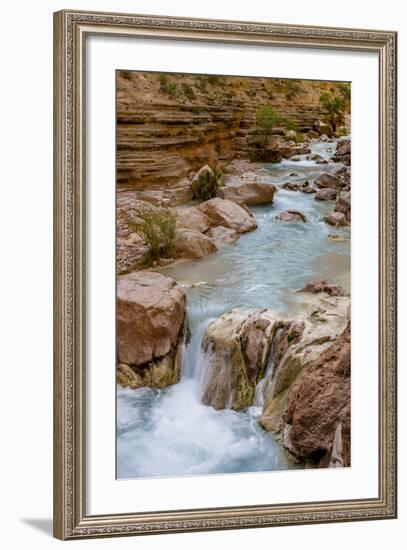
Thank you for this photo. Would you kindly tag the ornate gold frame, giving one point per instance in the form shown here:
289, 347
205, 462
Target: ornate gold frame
70, 518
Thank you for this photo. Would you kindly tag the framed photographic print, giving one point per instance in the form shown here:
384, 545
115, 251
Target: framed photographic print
225, 274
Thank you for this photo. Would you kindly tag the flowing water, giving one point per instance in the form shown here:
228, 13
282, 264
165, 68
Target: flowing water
170, 432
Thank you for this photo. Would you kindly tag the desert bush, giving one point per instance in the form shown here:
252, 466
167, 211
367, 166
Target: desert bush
166, 86
206, 183
157, 228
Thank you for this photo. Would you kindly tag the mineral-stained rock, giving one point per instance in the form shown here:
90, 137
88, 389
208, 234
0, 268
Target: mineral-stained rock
300, 351
291, 216
320, 402
326, 194
221, 235
150, 318
192, 218
193, 245
229, 214
252, 194
336, 219
237, 346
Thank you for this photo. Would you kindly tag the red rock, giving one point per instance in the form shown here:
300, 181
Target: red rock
319, 401
336, 219
252, 194
150, 315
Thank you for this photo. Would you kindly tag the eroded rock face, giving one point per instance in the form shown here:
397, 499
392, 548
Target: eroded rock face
150, 325
229, 214
252, 194
319, 403
193, 245
291, 216
237, 347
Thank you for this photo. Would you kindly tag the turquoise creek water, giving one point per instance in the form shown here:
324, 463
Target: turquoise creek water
170, 432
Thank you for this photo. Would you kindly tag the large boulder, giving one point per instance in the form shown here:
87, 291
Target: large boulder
343, 152
329, 181
192, 218
326, 194
317, 416
237, 346
338, 219
291, 216
229, 214
193, 245
343, 204
303, 353
221, 235
252, 194
150, 315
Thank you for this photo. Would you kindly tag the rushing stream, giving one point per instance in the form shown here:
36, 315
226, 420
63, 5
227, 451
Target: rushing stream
170, 432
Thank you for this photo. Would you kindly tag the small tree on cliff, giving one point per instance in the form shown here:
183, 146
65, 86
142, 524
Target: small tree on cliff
334, 105
266, 120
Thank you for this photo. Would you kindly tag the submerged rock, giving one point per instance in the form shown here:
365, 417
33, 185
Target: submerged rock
229, 214
150, 314
291, 216
221, 235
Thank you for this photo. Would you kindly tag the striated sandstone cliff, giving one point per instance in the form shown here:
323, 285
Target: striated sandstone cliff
168, 126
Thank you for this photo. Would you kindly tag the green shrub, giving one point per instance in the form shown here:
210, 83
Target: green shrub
205, 184
157, 228
334, 105
266, 119
166, 86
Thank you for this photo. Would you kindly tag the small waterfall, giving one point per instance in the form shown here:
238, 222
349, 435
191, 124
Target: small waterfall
194, 360
259, 395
